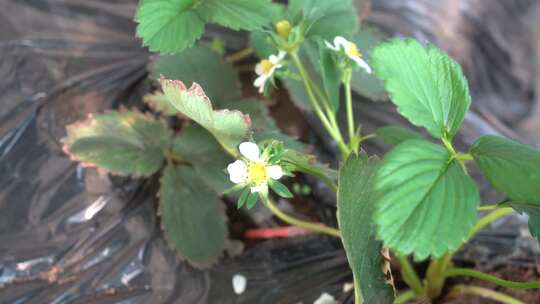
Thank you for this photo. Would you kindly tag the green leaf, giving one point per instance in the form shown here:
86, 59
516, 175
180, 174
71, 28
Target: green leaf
330, 18
426, 204
198, 147
168, 26
238, 14
125, 142
259, 41
193, 218
159, 103
368, 85
280, 189
263, 125
533, 211
230, 128
243, 197
394, 135
205, 67
331, 76
511, 167
427, 86
356, 205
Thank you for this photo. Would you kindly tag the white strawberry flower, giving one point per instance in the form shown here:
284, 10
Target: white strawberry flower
255, 171
351, 50
265, 69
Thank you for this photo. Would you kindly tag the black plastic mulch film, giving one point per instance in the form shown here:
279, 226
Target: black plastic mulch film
70, 234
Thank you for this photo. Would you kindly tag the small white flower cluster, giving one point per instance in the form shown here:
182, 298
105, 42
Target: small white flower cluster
255, 172
351, 50
266, 68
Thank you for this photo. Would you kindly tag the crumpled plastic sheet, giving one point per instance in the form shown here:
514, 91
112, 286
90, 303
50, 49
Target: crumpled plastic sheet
73, 235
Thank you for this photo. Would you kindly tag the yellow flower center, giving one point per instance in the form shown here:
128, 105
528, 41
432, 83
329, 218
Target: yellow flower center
257, 173
352, 50
283, 28
266, 66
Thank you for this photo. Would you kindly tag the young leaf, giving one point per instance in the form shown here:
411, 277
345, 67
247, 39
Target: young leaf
511, 167
329, 18
203, 152
205, 67
427, 86
124, 142
238, 14
307, 163
159, 103
230, 128
356, 204
426, 204
193, 219
394, 135
168, 26
280, 189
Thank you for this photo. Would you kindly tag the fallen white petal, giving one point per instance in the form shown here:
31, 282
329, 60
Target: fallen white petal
274, 171
361, 63
239, 283
237, 172
325, 299
250, 151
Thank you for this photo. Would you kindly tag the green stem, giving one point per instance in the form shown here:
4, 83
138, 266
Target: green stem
487, 208
405, 297
483, 292
486, 220
348, 104
454, 272
410, 277
329, 125
299, 223
242, 54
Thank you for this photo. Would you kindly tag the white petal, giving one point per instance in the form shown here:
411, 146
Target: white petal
259, 81
281, 55
239, 283
341, 42
259, 69
260, 188
273, 59
237, 172
331, 46
274, 171
363, 64
250, 151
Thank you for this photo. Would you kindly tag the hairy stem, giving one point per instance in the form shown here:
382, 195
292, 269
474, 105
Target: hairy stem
484, 293
410, 277
454, 272
348, 105
320, 228
486, 220
330, 127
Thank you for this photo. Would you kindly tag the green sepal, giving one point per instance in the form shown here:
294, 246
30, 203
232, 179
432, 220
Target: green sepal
280, 189
243, 197
251, 199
